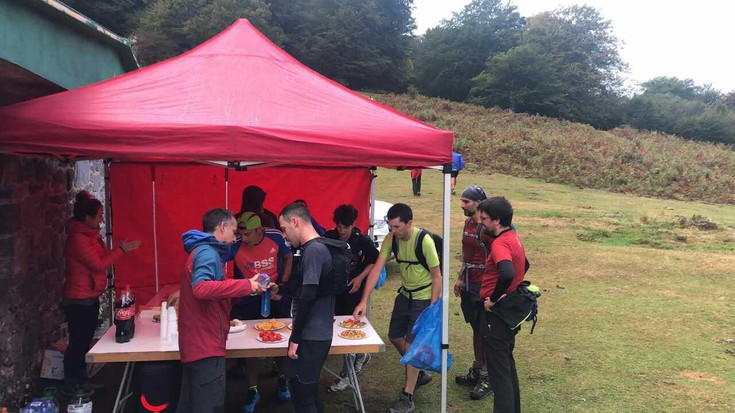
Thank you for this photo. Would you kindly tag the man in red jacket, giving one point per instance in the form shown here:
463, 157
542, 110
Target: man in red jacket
204, 312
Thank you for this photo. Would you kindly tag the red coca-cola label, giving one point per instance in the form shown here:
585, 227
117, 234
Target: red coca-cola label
125, 313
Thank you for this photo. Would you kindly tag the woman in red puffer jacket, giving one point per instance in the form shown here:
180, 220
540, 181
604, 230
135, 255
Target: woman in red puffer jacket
87, 259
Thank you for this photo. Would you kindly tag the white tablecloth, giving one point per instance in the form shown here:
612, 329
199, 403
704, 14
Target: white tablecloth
147, 345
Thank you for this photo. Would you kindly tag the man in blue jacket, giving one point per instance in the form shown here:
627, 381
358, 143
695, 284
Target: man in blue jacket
204, 312
457, 165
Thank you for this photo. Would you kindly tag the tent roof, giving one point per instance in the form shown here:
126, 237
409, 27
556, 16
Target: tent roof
235, 97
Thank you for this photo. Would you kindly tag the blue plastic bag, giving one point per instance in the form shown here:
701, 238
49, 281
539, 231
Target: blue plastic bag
381, 279
425, 352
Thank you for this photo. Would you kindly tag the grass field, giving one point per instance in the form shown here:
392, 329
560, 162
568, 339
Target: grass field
636, 313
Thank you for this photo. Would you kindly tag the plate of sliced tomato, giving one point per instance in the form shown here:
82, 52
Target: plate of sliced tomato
271, 337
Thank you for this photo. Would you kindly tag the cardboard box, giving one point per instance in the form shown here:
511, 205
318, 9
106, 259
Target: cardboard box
53, 365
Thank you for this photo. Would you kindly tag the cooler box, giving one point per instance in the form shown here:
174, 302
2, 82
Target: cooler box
159, 384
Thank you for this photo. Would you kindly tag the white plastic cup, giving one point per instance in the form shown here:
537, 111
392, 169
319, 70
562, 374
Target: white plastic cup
164, 320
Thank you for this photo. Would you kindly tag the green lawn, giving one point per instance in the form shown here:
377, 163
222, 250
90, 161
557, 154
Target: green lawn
635, 316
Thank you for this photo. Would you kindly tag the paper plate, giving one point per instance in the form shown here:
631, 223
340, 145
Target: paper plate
257, 327
342, 324
344, 335
283, 338
238, 328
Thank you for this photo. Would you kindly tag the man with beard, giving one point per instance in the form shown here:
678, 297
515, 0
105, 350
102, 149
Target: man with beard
505, 268
311, 336
475, 244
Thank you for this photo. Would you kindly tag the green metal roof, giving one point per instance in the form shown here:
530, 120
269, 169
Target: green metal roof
45, 41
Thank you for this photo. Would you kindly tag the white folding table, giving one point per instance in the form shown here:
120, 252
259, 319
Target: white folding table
148, 346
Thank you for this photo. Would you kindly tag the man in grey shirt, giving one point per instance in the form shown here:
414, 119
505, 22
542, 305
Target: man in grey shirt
311, 336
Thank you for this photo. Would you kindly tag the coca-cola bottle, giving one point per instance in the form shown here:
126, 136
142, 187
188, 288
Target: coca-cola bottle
125, 316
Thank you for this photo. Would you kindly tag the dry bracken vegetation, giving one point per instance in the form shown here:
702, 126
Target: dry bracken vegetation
622, 160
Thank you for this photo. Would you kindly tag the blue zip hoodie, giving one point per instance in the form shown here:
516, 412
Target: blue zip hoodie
209, 259
204, 311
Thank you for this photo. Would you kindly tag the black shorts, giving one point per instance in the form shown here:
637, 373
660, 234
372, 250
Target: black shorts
454, 174
472, 308
403, 317
248, 308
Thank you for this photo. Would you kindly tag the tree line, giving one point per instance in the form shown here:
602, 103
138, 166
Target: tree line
563, 63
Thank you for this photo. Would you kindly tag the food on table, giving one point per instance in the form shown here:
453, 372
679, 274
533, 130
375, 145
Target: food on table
270, 336
352, 324
237, 326
157, 318
353, 334
270, 325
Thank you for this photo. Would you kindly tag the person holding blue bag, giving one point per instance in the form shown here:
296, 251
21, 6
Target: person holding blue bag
421, 287
426, 350
364, 256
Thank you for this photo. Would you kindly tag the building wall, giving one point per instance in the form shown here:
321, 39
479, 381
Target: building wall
35, 203
65, 49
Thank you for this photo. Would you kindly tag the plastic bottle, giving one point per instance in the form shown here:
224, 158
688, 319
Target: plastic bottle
27, 396
265, 300
125, 317
45, 404
164, 321
80, 403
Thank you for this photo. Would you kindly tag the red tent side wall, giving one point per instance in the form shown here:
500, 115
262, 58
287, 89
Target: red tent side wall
185, 192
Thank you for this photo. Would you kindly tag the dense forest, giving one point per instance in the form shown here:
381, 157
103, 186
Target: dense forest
563, 63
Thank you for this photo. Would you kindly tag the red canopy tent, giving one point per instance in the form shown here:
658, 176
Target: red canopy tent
237, 100
236, 97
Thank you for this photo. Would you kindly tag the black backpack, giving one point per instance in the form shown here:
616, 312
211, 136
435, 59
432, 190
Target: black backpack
420, 257
335, 281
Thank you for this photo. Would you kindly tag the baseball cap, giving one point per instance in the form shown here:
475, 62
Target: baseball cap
249, 220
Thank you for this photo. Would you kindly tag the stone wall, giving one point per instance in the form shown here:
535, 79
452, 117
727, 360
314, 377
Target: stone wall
35, 195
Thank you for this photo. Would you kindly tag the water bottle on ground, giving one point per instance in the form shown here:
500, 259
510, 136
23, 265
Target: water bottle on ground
45, 404
80, 403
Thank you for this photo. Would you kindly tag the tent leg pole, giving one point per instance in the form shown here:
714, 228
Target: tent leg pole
372, 219
445, 285
155, 226
108, 239
372, 203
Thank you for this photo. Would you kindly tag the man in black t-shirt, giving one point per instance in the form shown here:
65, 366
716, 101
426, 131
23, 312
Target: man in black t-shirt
364, 256
311, 337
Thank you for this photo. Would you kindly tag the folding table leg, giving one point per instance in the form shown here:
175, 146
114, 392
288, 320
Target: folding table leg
127, 378
352, 376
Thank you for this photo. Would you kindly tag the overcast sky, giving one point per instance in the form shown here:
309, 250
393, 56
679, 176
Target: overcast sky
688, 40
